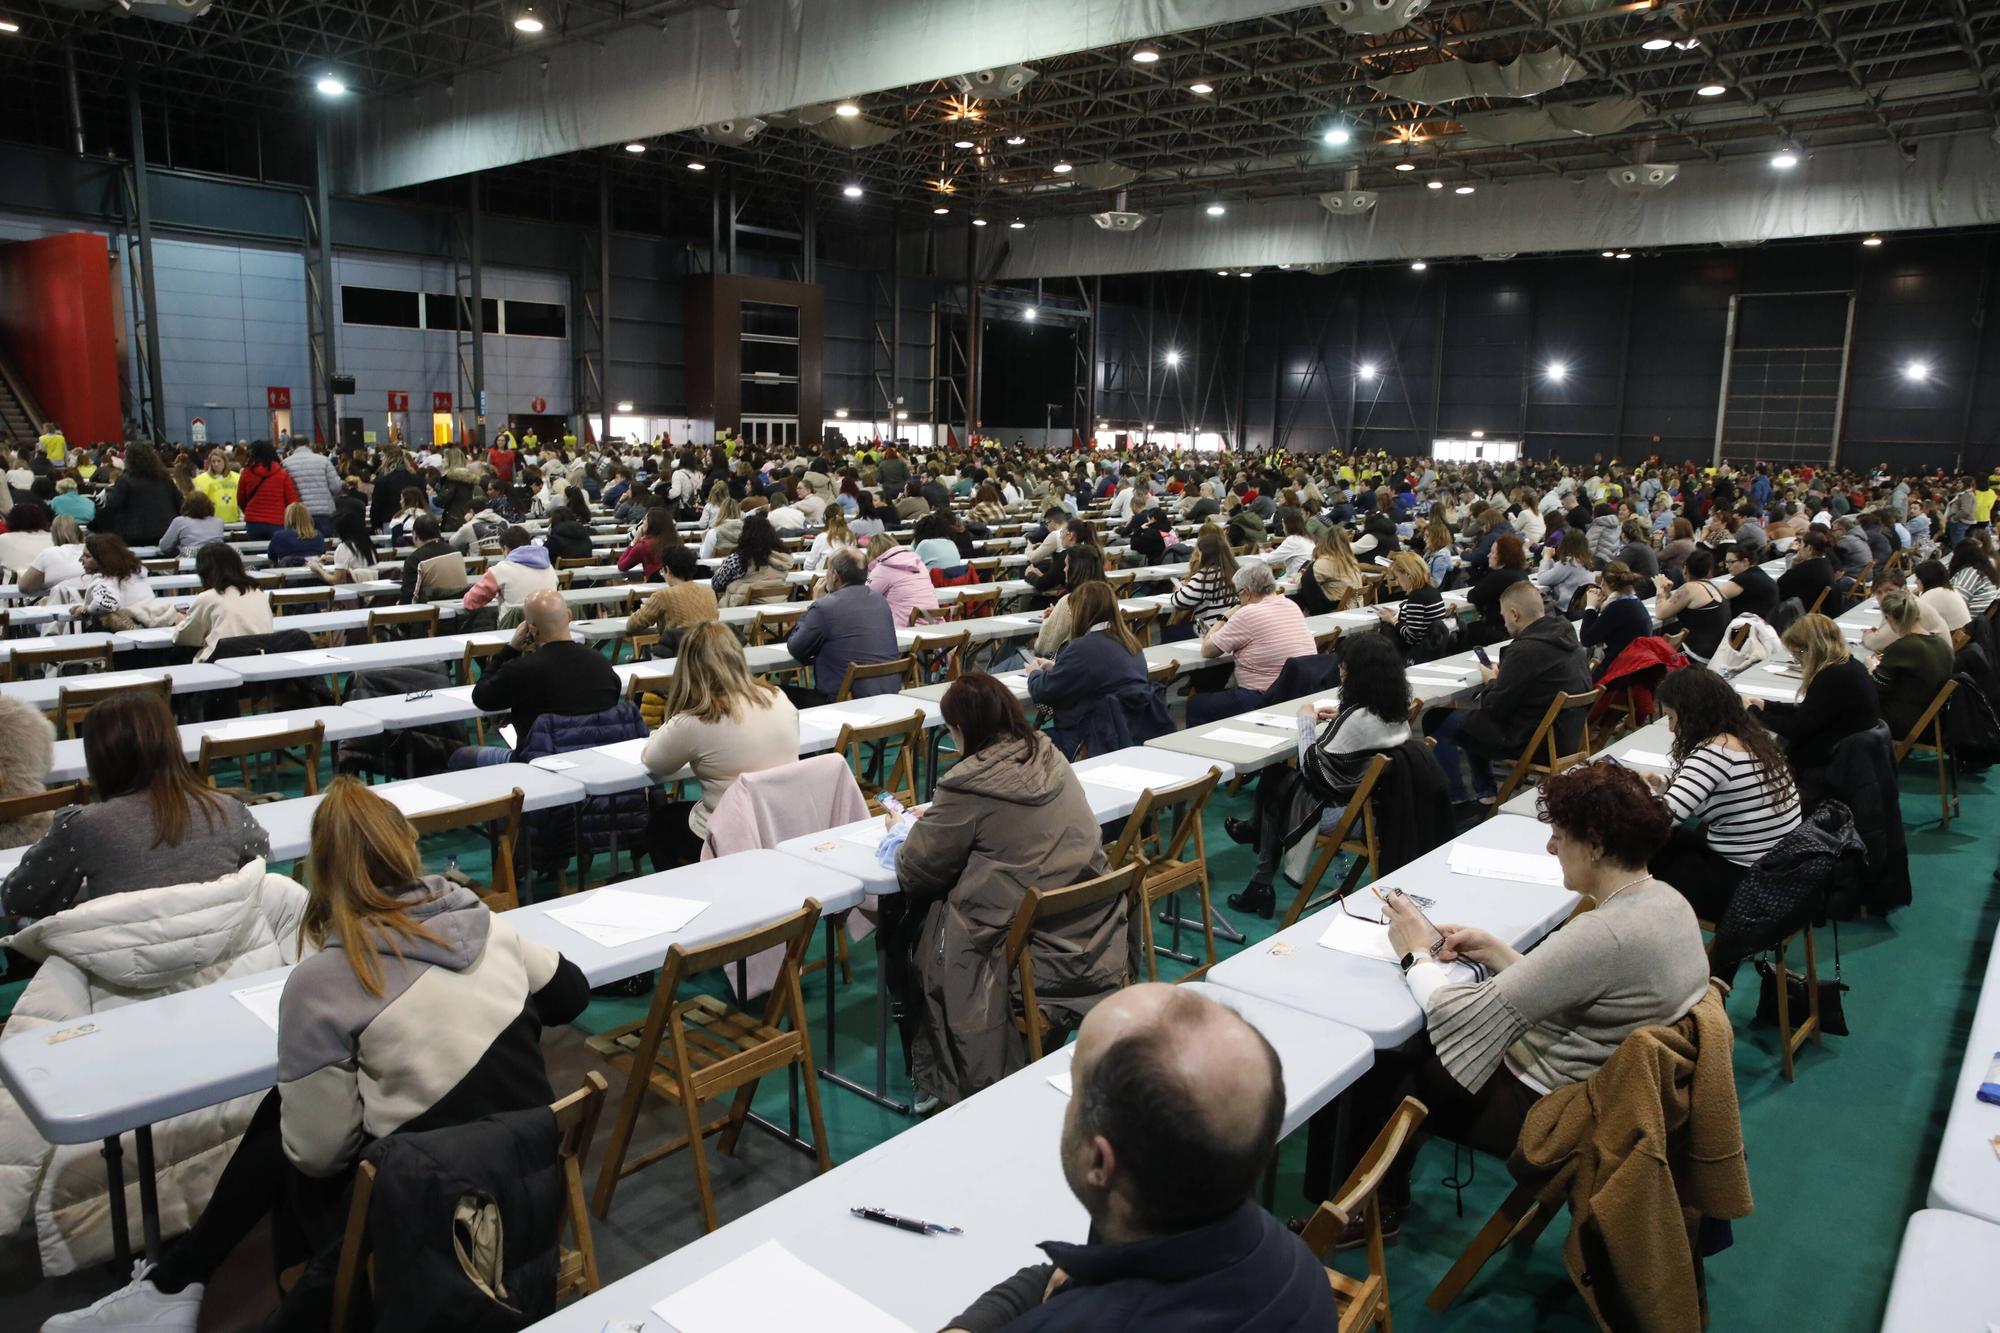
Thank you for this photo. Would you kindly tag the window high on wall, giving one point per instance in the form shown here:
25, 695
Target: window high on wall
1475, 449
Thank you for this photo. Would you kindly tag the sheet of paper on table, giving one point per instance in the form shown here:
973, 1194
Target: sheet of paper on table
867, 835
1364, 939
627, 751
316, 658
772, 1288
614, 917
1123, 777
1061, 1083
118, 678
553, 763
1499, 863
1647, 759
1282, 721
248, 727
262, 1001
1786, 693
844, 717
414, 798
507, 734
1255, 740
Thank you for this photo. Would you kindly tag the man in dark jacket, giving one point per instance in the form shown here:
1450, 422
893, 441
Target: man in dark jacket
1175, 1108
1501, 715
542, 670
851, 624
430, 542
386, 501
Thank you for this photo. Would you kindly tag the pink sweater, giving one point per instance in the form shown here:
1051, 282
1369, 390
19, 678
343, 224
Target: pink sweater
904, 582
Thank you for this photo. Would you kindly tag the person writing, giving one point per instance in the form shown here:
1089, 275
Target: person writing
1912, 667
1419, 608
848, 625
153, 822
541, 670
686, 600
1264, 632
1208, 592
1613, 616
1174, 1111
1836, 697
230, 604
1098, 670
720, 722
417, 1009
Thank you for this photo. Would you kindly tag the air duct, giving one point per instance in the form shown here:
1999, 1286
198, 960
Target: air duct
732, 133
1348, 203
996, 84
1372, 18
1645, 178
1119, 219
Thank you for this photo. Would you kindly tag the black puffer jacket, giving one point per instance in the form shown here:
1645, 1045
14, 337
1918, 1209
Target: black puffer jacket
1543, 660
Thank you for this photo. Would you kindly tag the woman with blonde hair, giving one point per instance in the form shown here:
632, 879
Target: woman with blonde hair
1836, 698
1209, 590
1440, 547
836, 536
298, 540
721, 722
418, 1009
1913, 667
1417, 607
726, 529
1334, 567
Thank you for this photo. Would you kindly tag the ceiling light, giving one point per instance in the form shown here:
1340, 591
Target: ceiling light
840, 412
8, 25
1216, 210
1222, 273
1200, 89
1463, 189
1871, 241
697, 165
962, 143
979, 222
1479, 435
1606, 253
1784, 159
1335, 137
1144, 55
1104, 425
1406, 166
902, 416
1419, 265
1366, 370
1916, 372
1244, 274
940, 210
1656, 43
624, 405
1433, 185
851, 191
1030, 313
1173, 358
1017, 140
847, 109
1556, 371
329, 86
1016, 225
635, 148
1062, 168
1710, 90
527, 22
1624, 254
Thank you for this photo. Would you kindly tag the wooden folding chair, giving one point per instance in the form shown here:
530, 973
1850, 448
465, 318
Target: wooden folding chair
166, 564
1327, 640
576, 1270
1165, 868
1517, 1221
47, 800
944, 613
774, 624
1364, 1302
278, 744
1142, 623
904, 667
393, 622
1164, 673
1790, 1038
1120, 582
1928, 734
1366, 846
1041, 905
986, 567
900, 780
575, 561
502, 895
692, 1051
74, 702
271, 580
1539, 756
941, 657
636, 644
978, 605
1819, 600
289, 601
30, 658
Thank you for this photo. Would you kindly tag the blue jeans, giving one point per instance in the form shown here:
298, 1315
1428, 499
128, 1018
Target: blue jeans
1954, 533
478, 756
1467, 776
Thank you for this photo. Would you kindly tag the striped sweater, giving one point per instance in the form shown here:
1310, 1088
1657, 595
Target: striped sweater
1726, 790
454, 1035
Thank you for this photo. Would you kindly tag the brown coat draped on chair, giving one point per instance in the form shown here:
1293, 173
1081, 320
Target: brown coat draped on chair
1641, 1151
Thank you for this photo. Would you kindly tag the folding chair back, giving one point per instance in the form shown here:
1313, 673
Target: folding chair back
692, 1051
502, 894
1327, 640
1540, 756
575, 561
1141, 623
903, 667
1164, 673
288, 601
397, 621
220, 749
1342, 837
1364, 1301
978, 605
1928, 734
29, 658
898, 777
44, 801
944, 613
774, 624
1162, 853
1043, 905
74, 702
941, 657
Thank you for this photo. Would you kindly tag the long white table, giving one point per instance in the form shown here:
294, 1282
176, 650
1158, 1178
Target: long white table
1966, 1178
1944, 1276
289, 823
188, 678
990, 1165
341, 724
1291, 967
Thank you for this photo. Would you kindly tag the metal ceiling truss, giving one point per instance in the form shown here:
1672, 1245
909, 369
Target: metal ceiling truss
1803, 73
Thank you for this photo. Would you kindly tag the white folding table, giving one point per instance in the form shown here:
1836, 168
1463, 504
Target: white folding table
1944, 1276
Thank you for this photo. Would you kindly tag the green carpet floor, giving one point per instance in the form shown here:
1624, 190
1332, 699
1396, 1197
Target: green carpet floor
1838, 1160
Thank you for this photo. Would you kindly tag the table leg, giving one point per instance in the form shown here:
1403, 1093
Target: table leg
114, 1174
149, 1194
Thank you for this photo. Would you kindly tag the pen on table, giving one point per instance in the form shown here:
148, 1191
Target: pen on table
901, 1223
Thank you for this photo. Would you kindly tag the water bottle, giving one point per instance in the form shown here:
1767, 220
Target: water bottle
451, 866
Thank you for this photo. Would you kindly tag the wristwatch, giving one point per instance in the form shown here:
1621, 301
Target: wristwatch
1411, 959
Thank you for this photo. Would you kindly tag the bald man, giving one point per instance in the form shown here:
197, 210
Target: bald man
542, 670
1175, 1112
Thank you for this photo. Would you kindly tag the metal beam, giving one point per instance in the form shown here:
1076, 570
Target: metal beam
326, 422
142, 210
604, 297
475, 291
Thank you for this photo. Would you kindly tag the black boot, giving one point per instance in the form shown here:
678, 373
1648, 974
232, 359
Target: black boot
1242, 831
1259, 899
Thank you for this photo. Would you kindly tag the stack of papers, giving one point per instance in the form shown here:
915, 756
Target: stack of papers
1364, 939
615, 917
553, 763
262, 1001
1499, 863
771, 1288
1123, 777
414, 798
1646, 759
1253, 740
1755, 690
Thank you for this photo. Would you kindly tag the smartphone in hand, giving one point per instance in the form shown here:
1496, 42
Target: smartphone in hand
1484, 659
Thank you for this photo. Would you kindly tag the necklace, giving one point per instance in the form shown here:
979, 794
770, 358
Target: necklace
1622, 887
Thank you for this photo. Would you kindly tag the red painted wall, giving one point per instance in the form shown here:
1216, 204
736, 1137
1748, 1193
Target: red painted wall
59, 327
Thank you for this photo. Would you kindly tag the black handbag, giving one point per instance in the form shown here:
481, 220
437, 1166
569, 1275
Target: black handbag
1832, 1015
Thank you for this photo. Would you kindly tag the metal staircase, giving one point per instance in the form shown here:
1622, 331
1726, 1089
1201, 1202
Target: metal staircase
20, 416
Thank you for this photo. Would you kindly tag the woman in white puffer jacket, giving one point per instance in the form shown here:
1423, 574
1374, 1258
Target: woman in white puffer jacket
105, 953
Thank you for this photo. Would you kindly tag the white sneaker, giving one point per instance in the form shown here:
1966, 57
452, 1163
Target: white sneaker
137, 1307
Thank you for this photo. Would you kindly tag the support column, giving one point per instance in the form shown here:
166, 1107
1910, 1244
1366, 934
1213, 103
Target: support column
74, 102
477, 316
142, 206
604, 297
325, 422
973, 342
895, 319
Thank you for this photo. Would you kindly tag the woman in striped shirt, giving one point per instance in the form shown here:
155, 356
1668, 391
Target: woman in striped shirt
1731, 792
1972, 574
1421, 609
1209, 590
